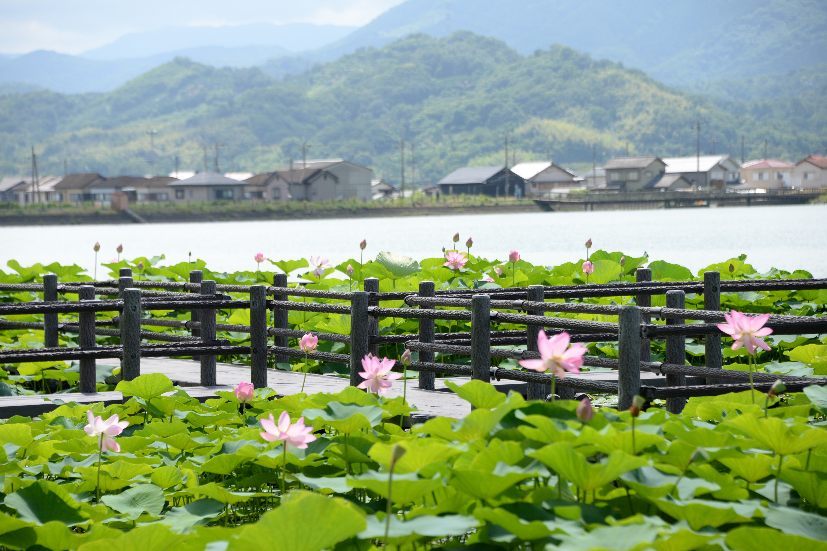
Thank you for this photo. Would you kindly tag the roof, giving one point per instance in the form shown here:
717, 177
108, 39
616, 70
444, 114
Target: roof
11, 181
766, 163
630, 162
675, 165
471, 175
240, 176
44, 184
78, 181
183, 174
527, 171
818, 160
312, 164
159, 181
207, 179
667, 181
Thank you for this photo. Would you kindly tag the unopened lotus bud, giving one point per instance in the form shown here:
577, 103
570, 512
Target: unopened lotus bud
469, 243
97, 247
140, 265
499, 271
513, 256
120, 248
637, 404
349, 270
731, 268
406, 358
585, 411
589, 243
443, 250
456, 237
622, 260
363, 244
396, 454
778, 387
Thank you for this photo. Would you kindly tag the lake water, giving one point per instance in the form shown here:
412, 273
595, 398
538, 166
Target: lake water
787, 237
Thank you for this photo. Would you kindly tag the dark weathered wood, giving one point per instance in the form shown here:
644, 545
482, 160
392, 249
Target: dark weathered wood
280, 318
535, 391
258, 336
88, 373
427, 333
371, 285
481, 338
359, 346
628, 378
207, 334
713, 356
675, 351
50, 320
130, 327
196, 276
644, 301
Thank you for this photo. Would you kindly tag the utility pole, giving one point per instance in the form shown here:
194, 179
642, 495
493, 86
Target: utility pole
413, 168
742, 150
176, 166
401, 148
35, 177
714, 142
152, 133
730, 148
506, 165
698, 154
305, 147
765, 149
217, 145
594, 165
205, 148
513, 157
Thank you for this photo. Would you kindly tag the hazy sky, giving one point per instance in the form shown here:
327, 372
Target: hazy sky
78, 25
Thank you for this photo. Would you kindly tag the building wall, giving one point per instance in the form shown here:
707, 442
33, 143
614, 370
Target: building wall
808, 176
204, 194
354, 181
635, 178
767, 178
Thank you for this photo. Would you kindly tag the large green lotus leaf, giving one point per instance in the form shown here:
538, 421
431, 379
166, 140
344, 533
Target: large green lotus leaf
422, 452
326, 485
106, 482
664, 271
810, 354
143, 498
182, 519
407, 488
183, 441
774, 434
56, 536
683, 540
162, 429
374, 269
740, 268
605, 271
167, 476
749, 538
812, 486
750, 467
223, 464
146, 386
209, 419
562, 458
547, 430
17, 434
609, 439
497, 451
127, 470
274, 458
345, 418
479, 394
700, 513
348, 395
44, 501
294, 526
631, 537
490, 484
442, 526
701, 437
528, 521
219, 493
338, 324
155, 536
818, 396
288, 266
650, 482
11, 524
797, 522
398, 265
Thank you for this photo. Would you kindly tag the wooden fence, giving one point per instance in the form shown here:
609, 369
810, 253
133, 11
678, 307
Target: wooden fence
633, 331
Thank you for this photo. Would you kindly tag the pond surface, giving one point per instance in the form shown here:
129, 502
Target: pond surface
785, 237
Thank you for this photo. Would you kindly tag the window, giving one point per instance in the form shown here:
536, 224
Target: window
276, 193
809, 176
717, 175
190, 194
179, 193
615, 177
634, 175
779, 175
762, 176
76, 197
58, 197
223, 194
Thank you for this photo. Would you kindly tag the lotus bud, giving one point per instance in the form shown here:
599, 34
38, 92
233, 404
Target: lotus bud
456, 237
498, 271
396, 454
777, 388
469, 243
244, 392
585, 411
731, 268
589, 243
443, 250
259, 257
349, 270
97, 247
637, 404
513, 256
622, 260
363, 244
120, 248
406, 358
140, 265
588, 267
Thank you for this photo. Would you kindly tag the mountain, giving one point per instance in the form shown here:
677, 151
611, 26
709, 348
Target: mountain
289, 38
672, 40
454, 98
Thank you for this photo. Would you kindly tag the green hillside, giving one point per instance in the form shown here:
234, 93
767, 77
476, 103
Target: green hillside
454, 98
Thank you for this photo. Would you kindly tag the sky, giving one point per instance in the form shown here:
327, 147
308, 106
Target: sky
79, 25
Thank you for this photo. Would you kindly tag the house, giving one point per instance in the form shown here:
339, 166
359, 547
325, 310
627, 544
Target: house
326, 180
496, 181
714, 171
669, 182
269, 186
206, 187
77, 189
633, 173
380, 189
546, 177
594, 178
41, 192
810, 173
767, 174
7, 189
154, 189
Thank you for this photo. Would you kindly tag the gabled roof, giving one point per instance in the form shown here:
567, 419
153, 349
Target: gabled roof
766, 163
12, 181
667, 181
527, 171
78, 181
471, 175
630, 162
207, 179
817, 160
675, 165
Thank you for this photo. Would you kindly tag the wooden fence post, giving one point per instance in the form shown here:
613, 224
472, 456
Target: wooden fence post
196, 276
50, 337
644, 301
713, 357
371, 285
130, 326
359, 322
675, 351
629, 345
481, 338
280, 318
427, 333
88, 374
208, 377
124, 281
258, 336
535, 391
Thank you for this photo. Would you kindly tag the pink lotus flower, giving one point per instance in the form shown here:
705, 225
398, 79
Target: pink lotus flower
622, 260
498, 271
487, 278
260, 257
97, 247
513, 256
456, 260
585, 411
377, 374
556, 355
746, 330
308, 343
244, 392
363, 244
114, 261
297, 434
588, 267
120, 248
320, 264
105, 430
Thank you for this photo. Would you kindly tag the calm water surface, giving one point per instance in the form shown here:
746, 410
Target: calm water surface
783, 237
